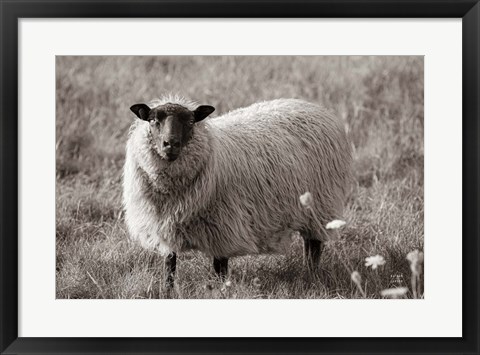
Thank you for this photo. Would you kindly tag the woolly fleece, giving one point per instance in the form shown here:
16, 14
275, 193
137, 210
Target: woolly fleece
234, 189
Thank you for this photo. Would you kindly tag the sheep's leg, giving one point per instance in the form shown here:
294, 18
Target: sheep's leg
170, 268
221, 267
313, 252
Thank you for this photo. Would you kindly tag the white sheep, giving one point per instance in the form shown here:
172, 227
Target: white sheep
230, 186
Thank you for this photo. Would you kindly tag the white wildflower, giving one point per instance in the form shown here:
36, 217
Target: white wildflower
374, 261
335, 224
394, 292
416, 261
306, 199
357, 279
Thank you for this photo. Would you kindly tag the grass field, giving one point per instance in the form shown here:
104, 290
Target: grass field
380, 100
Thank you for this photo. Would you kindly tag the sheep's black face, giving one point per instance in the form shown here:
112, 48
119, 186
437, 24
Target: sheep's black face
171, 125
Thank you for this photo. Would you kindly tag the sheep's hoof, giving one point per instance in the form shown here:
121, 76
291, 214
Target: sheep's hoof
221, 267
170, 268
313, 251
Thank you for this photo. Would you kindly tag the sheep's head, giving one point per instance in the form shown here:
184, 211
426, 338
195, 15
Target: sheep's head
171, 125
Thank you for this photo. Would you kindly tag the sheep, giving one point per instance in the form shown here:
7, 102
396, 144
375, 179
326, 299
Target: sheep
230, 185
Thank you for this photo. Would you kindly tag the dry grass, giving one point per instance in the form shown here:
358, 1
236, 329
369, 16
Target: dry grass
380, 100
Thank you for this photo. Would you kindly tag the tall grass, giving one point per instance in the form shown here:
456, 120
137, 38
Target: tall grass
380, 101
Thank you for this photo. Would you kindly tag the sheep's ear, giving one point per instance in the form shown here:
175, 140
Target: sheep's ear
202, 111
141, 110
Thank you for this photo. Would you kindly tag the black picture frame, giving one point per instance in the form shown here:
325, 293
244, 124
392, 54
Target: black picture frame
11, 11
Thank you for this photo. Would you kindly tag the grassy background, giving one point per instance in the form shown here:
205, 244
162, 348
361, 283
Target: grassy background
380, 100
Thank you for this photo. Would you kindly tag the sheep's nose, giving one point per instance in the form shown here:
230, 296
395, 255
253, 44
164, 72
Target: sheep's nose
171, 143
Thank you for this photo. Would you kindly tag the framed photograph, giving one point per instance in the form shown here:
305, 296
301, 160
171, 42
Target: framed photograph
224, 177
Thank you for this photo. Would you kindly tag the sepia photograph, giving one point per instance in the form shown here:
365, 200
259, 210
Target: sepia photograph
239, 177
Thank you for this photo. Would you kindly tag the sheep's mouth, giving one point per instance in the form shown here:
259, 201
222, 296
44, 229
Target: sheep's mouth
171, 156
